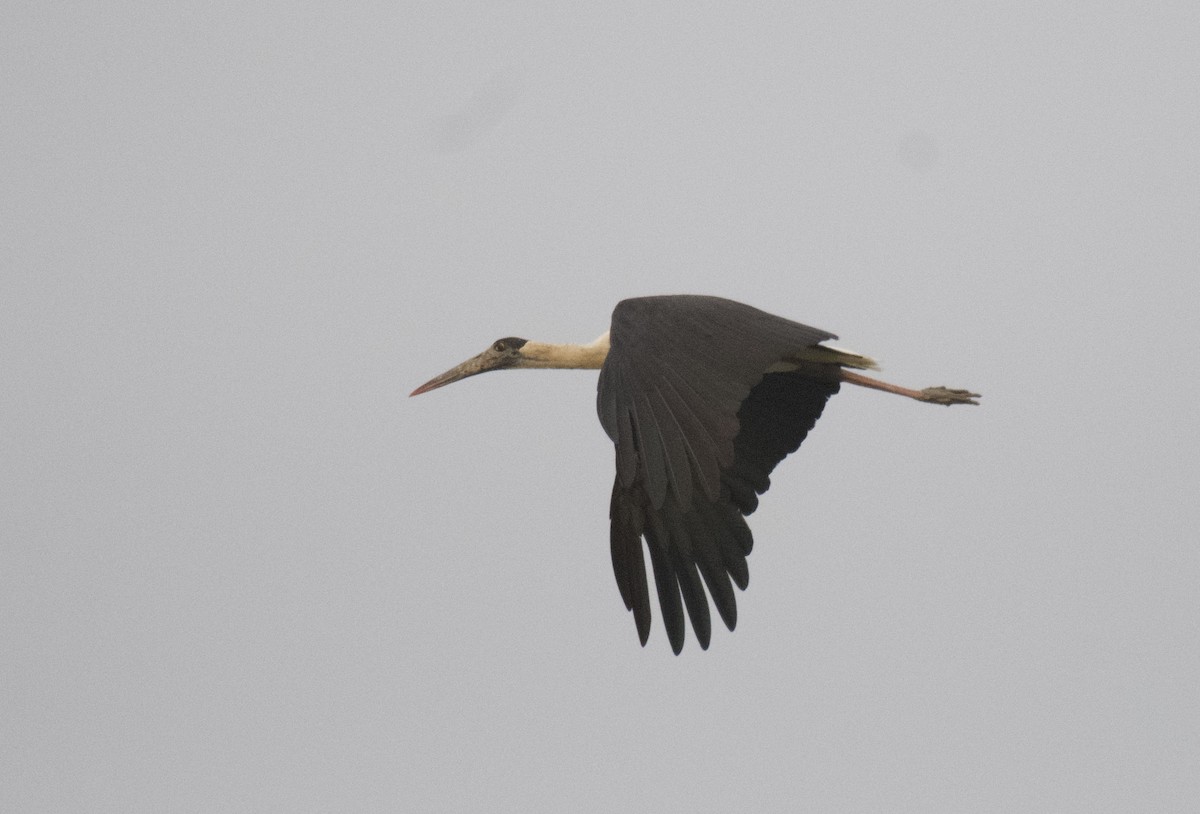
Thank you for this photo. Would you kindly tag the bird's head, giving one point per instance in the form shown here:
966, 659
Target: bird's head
503, 353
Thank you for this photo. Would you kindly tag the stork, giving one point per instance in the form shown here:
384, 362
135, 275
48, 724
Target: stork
702, 398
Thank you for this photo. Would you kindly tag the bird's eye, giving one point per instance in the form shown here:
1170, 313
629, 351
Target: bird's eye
500, 346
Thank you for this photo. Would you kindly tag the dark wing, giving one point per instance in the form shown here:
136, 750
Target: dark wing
698, 426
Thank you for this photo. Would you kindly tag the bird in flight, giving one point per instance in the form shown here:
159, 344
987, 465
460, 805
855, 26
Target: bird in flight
702, 398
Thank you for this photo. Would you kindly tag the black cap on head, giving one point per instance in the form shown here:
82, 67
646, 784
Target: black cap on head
509, 343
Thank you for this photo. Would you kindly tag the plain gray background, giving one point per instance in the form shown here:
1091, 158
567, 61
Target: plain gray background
241, 571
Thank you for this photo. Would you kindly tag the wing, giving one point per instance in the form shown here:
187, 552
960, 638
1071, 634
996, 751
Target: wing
698, 426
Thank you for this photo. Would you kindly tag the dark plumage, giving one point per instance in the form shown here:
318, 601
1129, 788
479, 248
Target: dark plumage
698, 425
702, 397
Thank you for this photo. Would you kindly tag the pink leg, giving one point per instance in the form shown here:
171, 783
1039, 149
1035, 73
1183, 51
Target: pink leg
931, 395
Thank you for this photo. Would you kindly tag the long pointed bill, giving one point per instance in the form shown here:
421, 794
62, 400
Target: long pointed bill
476, 364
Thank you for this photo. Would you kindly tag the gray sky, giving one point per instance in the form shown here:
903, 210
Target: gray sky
241, 571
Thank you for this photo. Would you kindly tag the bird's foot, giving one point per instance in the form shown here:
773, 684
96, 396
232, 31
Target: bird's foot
946, 396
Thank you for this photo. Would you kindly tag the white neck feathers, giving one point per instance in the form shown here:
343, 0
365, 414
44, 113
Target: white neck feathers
583, 357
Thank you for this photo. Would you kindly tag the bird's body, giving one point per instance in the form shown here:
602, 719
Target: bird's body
702, 398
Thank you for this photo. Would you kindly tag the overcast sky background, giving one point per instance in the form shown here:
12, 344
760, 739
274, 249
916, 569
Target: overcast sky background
242, 571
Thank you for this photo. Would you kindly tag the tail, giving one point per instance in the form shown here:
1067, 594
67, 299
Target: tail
832, 355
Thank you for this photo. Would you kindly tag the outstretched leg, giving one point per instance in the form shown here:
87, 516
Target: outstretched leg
932, 395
